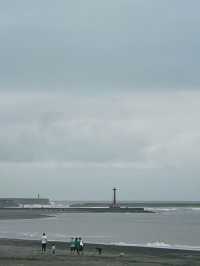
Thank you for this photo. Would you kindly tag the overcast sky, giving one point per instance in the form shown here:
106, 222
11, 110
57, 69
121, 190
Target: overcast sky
96, 94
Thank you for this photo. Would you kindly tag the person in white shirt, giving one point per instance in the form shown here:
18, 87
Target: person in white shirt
44, 242
81, 245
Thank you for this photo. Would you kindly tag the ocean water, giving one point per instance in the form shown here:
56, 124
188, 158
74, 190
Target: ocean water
167, 228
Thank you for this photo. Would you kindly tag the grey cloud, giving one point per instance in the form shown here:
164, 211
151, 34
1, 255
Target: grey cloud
134, 129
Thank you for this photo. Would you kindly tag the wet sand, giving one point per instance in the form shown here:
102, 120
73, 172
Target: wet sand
27, 253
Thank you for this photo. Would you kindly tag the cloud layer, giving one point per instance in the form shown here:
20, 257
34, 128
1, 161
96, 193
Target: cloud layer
134, 140
156, 129
97, 94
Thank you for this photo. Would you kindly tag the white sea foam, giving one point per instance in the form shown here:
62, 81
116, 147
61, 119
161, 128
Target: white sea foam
194, 209
34, 206
161, 209
160, 244
172, 209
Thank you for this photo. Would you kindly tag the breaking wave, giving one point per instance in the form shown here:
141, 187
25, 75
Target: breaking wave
159, 244
161, 209
172, 209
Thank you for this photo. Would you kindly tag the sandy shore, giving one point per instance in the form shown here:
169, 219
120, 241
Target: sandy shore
27, 253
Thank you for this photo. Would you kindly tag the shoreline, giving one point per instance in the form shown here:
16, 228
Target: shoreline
27, 252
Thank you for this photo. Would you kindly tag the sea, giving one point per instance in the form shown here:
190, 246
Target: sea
168, 227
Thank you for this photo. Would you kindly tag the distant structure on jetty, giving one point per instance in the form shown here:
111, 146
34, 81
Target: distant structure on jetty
114, 203
20, 202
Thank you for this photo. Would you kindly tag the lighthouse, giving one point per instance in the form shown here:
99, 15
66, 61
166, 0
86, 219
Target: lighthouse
114, 203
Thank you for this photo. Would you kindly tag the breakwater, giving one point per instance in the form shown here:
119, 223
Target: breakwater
78, 210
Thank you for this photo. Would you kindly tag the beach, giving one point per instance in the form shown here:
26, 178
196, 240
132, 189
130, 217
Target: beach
28, 253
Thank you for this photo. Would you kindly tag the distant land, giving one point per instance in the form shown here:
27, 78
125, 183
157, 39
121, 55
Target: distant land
21, 202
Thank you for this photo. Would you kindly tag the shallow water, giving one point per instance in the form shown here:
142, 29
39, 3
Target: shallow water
172, 227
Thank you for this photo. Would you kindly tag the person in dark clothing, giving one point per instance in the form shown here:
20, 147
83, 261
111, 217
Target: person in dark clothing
77, 245
99, 250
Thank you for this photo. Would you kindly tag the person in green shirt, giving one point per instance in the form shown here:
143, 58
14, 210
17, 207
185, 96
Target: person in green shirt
72, 245
77, 245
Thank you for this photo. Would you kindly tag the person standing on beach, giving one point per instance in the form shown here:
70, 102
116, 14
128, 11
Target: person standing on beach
72, 245
53, 249
77, 245
81, 245
44, 242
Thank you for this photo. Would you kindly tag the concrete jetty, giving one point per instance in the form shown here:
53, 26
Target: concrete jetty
79, 210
